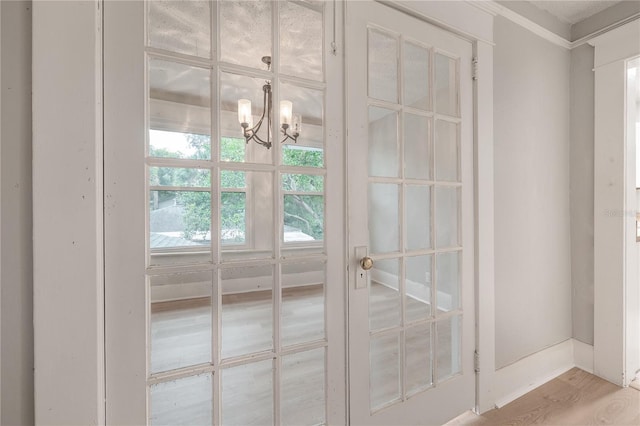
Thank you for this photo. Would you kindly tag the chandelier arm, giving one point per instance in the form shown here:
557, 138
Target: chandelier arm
287, 136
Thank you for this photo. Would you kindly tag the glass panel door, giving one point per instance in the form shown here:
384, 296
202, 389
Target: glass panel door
241, 287
410, 174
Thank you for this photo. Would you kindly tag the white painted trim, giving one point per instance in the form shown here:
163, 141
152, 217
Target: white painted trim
616, 340
589, 37
521, 377
499, 10
484, 226
0, 216
583, 355
69, 384
455, 17
496, 9
617, 45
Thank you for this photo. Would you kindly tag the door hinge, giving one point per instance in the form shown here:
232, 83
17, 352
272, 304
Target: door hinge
476, 361
474, 69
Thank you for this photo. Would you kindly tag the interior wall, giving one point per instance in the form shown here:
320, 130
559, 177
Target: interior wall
16, 244
532, 217
582, 163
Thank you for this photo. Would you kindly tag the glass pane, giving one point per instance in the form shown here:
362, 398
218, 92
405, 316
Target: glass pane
301, 39
185, 401
303, 218
257, 197
180, 320
233, 218
233, 207
302, 386
232, 149
180, 26
384, 224
247, 310
447, 213
418, 358
446, 85
309, 147
303, 156
179, 219
418, 287
247, 394
302, 183
448, 347
384, 380
245, 32
418, 216
448, 281
179, 110
383, 66
234, 87
417, 147
230, 179
416, 76
303, 302
384, 294
383, 142
167, 144
447, 152
174, 176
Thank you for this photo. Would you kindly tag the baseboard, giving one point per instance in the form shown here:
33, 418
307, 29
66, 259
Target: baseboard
515, 380
583, 355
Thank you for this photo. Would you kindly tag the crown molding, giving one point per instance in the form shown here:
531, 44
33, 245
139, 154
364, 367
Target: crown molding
597, 33
496, 9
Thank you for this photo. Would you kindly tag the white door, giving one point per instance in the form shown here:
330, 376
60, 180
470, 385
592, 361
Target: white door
410, 174
224, 261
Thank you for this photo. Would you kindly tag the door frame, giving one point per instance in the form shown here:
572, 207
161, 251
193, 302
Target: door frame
616, 356
68, 257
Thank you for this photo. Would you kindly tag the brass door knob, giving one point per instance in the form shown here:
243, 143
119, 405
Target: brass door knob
366, 263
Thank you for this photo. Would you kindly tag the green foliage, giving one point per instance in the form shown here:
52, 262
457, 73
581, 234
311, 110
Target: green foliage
305, 212
232, 216
197, 213
232, 149
297, 156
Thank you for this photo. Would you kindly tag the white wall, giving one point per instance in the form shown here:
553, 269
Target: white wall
532, 231
16, 245
582, 116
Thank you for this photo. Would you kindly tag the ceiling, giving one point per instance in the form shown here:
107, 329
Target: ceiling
573, 12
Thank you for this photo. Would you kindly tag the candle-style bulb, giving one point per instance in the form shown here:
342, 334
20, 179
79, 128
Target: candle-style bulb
286, 108
244, 111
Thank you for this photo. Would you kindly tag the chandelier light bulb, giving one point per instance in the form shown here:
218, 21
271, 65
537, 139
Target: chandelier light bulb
286, 108
296, 124
244, 111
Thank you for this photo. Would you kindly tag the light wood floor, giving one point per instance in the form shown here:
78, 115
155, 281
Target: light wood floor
574, 398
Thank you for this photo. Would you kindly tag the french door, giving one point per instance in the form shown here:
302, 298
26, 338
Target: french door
224, 257
410, 174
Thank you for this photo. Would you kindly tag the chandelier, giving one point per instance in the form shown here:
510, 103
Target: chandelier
290, 124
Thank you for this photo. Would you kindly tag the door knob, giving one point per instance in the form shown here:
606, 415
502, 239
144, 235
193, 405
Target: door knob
366, 263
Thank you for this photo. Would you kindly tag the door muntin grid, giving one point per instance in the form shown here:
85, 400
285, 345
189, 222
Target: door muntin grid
268, 260
414, 217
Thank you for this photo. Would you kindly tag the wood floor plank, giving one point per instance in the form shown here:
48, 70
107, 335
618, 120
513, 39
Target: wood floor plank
574, 398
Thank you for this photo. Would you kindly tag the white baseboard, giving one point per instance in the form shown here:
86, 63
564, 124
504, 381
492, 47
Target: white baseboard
515, 380
583, 355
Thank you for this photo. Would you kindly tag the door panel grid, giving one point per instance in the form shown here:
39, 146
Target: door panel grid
416, 170
240, 252
391, 205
